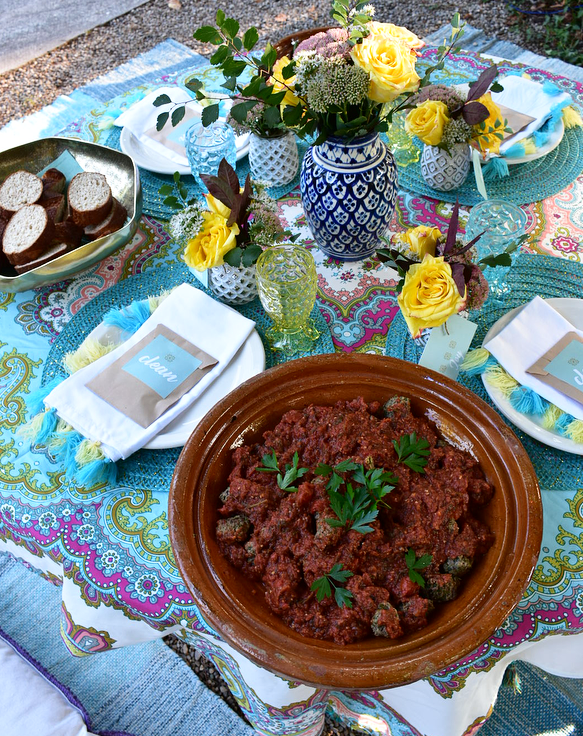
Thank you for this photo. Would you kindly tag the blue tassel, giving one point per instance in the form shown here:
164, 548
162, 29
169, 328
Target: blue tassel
130, 318
563, 422
479, 369
527, 401
551, 89
36, 399
98, 471
66, 453
496, 168
47, 427
515, 151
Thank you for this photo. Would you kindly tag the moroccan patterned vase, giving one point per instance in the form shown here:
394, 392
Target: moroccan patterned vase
349, 191
443, 170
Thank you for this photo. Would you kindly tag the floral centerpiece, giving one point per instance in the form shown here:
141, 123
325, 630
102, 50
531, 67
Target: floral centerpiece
448, 120
439, 275
226, 232
340, 89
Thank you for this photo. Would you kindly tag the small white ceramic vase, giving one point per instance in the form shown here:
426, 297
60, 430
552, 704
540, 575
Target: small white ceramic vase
443, 171
274, 161
233, 285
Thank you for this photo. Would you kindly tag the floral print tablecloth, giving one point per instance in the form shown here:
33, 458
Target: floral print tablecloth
108, 546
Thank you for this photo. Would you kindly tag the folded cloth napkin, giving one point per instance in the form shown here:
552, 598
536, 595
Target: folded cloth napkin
141, 119
527, 337
189, 312
528, 98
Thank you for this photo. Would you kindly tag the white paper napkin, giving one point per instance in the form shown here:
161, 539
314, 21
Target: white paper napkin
142, 116
214, 327
528, 98
527, 337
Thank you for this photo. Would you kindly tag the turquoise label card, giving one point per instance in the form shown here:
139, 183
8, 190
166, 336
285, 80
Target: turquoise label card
447, 346
162, 365
568, 365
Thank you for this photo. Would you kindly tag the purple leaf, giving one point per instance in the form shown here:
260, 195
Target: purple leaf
482, 84
474, 112
228, 175
452, 229
457, 272
219, 189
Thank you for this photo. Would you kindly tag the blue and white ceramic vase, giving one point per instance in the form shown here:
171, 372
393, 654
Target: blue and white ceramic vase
349, 192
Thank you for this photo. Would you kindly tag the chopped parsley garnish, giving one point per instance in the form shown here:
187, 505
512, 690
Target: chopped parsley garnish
323, 586
291, 475
414, 564
412, 452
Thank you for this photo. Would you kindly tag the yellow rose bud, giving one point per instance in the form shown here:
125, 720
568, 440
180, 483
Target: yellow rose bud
210, 244
429, 295
421, 239
494, 123
217, 207
427, 121
389, 62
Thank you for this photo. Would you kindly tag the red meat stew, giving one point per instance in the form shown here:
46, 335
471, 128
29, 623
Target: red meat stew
356, 518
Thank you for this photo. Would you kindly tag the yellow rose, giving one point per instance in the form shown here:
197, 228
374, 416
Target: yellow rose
421, 239
429, 295
389, 63
427, 121
494, 123
210, 244
402, 34
279, 83
217, 207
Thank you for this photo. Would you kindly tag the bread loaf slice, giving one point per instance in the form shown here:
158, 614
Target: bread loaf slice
69, 233
89, 197
112, 222
55, 250
53, 182
55, 206
19, 189
28, 233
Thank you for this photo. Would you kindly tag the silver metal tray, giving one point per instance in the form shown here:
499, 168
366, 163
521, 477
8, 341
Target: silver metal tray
123, 178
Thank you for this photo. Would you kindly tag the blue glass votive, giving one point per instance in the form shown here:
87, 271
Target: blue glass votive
206, 147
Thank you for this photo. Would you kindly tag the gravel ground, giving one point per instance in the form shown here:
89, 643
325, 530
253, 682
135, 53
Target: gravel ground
58, 72
98, 51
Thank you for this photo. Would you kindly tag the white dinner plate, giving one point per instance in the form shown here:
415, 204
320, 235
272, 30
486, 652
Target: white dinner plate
248, 362
572, 310
150, 160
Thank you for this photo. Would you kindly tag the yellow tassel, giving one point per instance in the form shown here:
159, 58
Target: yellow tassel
572, 117
529, 146
87, 452
55, 442
88, 352
575, 431
31, 429
498, 378
551, 416
155, 301
475, 359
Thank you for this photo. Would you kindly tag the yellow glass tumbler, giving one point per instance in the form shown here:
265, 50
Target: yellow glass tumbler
286, 282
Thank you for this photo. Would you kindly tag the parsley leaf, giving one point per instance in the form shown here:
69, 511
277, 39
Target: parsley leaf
412, 452
414, 564
269, 463
292, 473
323, 586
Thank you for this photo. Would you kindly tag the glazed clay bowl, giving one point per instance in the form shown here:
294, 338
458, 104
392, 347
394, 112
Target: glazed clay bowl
235, 606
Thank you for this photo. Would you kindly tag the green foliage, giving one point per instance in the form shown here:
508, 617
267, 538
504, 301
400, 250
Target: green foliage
323, 586
412, 452
414, 564
291, 475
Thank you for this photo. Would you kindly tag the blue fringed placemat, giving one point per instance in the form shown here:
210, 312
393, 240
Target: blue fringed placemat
152, 469
548, 277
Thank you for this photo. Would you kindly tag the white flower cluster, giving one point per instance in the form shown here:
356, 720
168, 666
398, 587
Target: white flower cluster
327, 82
185, 224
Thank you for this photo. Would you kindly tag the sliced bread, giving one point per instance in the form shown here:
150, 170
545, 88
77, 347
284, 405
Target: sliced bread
114, 220
55, 250
90, 198
54, 182
19, 189
69, 233
28, 233
55, 206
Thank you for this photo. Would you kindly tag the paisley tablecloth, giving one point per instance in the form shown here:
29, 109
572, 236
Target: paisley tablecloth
108, 546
